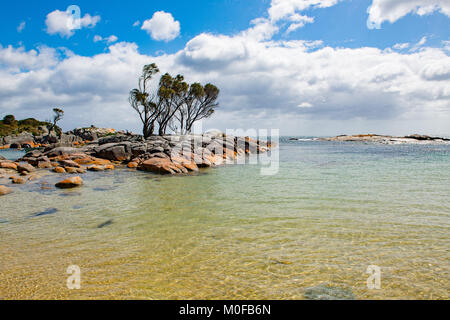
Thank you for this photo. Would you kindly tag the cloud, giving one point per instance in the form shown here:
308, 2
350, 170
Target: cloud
108, 40
299, 22
137, 24
293, 85
259, 80
162, 26
21, 26
286, 13
64, 23
388, 10
400, 46
419, 44
281, 9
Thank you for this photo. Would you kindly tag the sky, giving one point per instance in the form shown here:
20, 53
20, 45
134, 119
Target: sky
306, 67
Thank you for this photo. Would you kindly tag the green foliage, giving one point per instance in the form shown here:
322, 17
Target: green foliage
15, 127
9, 119
174, 104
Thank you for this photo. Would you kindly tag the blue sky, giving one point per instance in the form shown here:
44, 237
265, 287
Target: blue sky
331, 73
343, 25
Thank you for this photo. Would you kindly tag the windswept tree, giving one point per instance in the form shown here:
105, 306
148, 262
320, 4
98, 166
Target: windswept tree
201, 103
172, 94
57, 116
145, 102
175, 104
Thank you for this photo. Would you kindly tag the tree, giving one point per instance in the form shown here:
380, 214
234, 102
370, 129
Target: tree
200, 103
172, 93
9, 119
144, 102
58, 115
174, 101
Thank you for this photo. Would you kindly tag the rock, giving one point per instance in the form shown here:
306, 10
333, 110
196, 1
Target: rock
4, 190
99, 162
188, 164
158, 155
70, 183
132, 165
113, 139
162, 166
229, 154
25, 167
114, 151
109, 167
96, 168
156, 150
84, 160
8, 165
16, 180
69, 163
59, 170
61, 151
44, 165
33, 154
19, 140
71, 170
2, 158
80, 170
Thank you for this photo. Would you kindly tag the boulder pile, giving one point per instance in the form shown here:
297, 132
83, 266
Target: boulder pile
158, 154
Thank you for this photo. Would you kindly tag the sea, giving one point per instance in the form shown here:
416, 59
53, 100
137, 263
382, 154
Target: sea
354, 220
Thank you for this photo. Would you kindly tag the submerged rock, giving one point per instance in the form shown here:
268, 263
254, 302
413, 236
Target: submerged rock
4, 190
70, 183
46, 212
25, 167
16, 180
105, 224
327, 292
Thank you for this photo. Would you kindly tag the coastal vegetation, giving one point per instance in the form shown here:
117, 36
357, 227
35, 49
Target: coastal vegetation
10, 126
174, 104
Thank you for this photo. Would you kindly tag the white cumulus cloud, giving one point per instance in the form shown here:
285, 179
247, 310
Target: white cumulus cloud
390, 10
64, 23
162, 26
21, 26
108, 40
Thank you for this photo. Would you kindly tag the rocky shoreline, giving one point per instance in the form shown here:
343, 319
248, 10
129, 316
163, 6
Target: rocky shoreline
172, 154
373, 138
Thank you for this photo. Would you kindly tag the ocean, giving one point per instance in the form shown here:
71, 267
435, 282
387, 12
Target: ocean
332, 212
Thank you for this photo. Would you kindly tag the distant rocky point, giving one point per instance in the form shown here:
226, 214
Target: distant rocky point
374, 138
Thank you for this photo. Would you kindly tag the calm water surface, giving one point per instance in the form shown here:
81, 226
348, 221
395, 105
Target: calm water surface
331, 211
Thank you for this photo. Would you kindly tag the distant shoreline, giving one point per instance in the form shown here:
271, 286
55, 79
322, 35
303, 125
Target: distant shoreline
384, 139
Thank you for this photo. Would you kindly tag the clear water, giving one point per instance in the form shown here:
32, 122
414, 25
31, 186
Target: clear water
12, 154
331, 211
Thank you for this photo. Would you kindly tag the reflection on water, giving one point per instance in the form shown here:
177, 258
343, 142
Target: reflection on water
332, 211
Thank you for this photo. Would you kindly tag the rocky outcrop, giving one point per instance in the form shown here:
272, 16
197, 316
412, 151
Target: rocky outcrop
373, 138
23, 140
114, 151
162, 155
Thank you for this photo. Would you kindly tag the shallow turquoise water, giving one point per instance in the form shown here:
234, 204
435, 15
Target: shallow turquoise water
11, 154
331, 211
